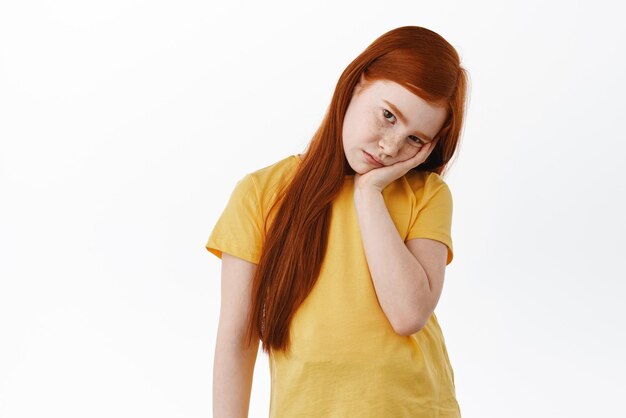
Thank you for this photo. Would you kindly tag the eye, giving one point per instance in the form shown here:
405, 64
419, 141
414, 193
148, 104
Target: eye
418, 140
387, 114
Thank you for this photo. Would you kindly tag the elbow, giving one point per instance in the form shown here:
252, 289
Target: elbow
409, 327
413, 320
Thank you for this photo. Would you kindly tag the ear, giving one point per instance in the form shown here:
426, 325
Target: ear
363, 82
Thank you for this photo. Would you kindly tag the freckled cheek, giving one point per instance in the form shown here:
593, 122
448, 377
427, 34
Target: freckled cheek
377, 126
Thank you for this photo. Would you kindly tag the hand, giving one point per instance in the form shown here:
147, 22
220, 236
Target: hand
380, 177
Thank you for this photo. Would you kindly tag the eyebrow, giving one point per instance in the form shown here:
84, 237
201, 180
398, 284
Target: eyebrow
403, 119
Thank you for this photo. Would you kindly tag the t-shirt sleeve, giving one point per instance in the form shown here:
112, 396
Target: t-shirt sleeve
238, 229
433, 217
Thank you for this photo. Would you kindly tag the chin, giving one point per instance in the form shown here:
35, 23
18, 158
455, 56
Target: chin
358, 165
357, 169
362, 170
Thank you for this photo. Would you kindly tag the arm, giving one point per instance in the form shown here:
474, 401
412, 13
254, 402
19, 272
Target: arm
404, 289
234, 362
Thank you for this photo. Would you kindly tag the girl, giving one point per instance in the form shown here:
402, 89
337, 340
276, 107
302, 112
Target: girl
334, 259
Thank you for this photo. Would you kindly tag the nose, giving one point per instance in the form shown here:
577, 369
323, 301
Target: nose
391, 145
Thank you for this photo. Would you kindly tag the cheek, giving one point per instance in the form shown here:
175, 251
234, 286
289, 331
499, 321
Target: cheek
356, 128
365, 130
377, 123
369, 130
378, 126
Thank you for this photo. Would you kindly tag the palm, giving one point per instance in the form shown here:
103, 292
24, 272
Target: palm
381, 177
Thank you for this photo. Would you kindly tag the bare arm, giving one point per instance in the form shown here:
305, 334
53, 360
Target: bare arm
233, 366
407, 277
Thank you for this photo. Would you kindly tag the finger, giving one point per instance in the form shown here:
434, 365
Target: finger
421, 155
422, 152
426, 149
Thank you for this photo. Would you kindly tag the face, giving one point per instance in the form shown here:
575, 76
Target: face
388, 122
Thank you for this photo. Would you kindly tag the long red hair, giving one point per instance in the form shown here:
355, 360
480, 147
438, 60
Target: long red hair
295, 243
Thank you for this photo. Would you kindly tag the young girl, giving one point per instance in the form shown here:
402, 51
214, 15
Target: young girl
334, 259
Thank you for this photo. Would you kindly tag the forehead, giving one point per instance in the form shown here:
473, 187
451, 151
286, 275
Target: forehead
390, 90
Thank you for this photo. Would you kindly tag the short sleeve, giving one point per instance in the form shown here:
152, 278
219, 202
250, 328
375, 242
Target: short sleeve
433, 218
238, 229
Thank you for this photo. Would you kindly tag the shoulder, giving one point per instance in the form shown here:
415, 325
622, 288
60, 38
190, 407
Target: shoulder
267, 182
425, 183
275, 171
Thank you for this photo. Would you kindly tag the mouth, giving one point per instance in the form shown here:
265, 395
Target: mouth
372, 160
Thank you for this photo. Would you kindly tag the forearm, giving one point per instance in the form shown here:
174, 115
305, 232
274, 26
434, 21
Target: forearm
233, 369
399, 279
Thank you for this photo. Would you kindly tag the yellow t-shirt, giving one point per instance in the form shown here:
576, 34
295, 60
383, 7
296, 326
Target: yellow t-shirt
345, 358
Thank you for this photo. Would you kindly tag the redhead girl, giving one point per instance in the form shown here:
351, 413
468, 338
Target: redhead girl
334, 259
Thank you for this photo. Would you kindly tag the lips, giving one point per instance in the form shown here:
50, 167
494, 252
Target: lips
372, 160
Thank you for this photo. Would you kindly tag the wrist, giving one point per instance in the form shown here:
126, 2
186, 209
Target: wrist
366, 193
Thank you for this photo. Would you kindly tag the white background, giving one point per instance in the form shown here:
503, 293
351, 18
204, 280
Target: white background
124, 126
